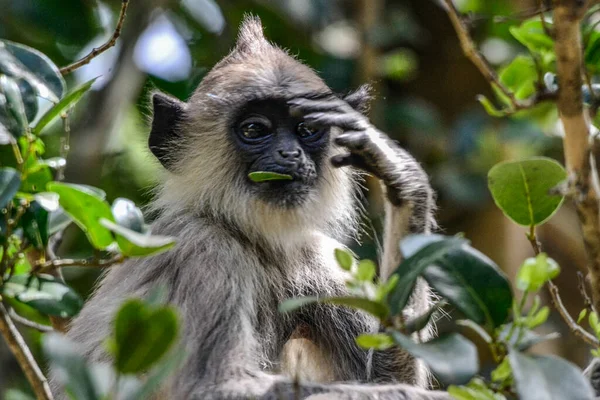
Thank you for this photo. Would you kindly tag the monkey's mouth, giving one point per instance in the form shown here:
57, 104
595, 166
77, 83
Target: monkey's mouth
290, 193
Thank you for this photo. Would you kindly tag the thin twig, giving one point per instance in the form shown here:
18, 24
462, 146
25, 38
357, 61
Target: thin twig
523, 15
557, 301
586, 297
94, 262
99, 50
28, 323
19, 348
573, 326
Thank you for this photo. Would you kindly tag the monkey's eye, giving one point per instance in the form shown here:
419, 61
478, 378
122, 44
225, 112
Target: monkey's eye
254, 130
304, 131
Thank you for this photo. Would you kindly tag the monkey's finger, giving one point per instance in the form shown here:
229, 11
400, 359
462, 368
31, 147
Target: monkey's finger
353, 160
301, 106
347, 122
352, 140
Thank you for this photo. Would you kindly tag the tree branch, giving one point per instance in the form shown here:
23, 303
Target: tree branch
582, 182
29, 324
51, 265
19, 348
99, 50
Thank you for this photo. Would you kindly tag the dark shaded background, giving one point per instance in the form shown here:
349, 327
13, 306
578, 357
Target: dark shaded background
406, 48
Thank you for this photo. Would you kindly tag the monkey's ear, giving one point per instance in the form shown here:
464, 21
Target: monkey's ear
169, 113
360, 99
251, 34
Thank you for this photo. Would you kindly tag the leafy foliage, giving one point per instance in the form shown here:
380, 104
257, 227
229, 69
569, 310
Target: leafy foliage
35, 207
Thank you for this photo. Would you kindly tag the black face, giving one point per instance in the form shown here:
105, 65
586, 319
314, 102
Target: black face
270, 139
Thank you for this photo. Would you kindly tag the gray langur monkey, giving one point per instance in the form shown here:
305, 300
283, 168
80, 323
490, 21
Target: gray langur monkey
244, 247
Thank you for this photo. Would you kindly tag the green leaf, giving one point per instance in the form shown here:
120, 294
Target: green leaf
263, 176
13, 394
296, 302
535, 272
366, 271
86, 208
377, 341
473, 283
592, 52
63, 105
14, 103
37, 179
413, 266
134, 244
532, 35
476, 390
158, 375
70, 366
594, 324
452, 358
143, 335
548, 378
377, 309
10, 181
523, 338
44, 293
539, 318
344, 259
502, 371
520, 77
20, 61
128, 215
582, 315
521, 189
489, 107
35, 225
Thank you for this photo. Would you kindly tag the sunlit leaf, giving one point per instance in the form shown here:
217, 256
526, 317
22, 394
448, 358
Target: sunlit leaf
20, 61
521, 189
520, 77
63, 105
86, 208
134, 244
14, 103
535, 272
44, 293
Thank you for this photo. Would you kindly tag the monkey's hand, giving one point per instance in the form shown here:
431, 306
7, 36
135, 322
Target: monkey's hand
373, 151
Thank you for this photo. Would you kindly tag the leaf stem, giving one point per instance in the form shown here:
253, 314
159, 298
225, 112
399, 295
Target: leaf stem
19, 348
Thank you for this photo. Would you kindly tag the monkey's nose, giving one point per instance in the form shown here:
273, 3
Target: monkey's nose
290, 154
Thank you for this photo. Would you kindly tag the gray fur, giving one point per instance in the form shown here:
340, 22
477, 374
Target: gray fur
238, 258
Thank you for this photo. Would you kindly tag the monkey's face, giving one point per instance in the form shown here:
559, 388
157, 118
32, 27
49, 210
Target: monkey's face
269, 139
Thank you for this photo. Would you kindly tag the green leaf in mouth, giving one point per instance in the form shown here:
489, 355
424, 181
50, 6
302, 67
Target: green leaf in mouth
263, 176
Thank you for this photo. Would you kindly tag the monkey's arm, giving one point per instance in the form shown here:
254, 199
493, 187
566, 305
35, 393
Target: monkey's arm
410, 204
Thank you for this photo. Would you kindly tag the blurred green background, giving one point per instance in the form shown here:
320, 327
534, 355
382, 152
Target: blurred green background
406, 49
